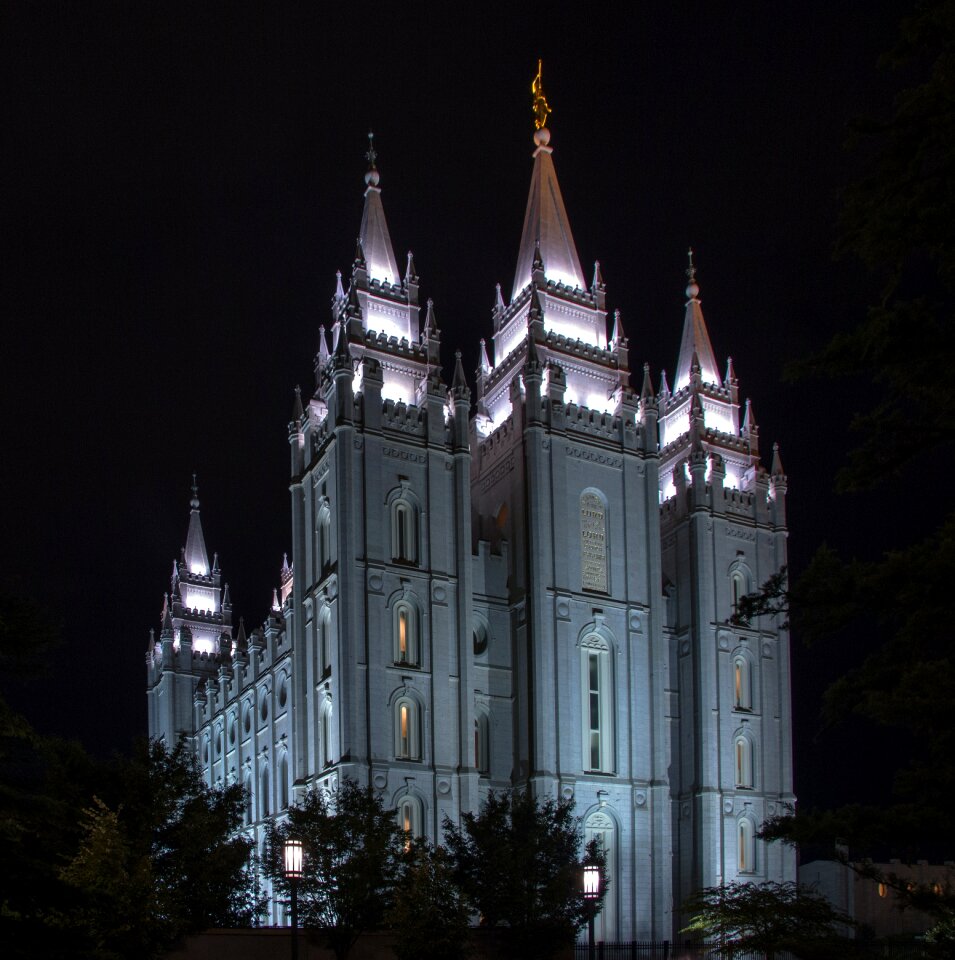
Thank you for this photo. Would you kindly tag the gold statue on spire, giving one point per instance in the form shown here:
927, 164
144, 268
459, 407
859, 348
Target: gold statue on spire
541, 106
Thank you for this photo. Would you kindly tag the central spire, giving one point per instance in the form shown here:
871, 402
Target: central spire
197, 560
696, 339
546, 228
375, 239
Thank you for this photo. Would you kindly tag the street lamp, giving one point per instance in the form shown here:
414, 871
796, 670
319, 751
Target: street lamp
591, 882
293, 873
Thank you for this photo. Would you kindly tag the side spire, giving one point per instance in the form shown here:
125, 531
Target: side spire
696, 339
374, 238
197, 560
546, 234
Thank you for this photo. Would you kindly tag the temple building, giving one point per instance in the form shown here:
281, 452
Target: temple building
529, 586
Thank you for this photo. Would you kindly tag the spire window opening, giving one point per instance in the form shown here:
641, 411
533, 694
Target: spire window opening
406, 644
407, 734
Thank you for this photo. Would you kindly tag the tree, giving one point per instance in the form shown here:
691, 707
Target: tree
352, 846
429, 915
897, 220
166, 860
766, 918
518, 863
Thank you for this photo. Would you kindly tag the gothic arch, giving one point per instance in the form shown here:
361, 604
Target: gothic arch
600, 823
404, 522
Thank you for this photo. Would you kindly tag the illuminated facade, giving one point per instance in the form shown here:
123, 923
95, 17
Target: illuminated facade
533, 590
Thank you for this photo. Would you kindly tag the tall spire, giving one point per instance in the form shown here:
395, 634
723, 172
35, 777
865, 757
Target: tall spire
197, 560
545, 220
696, 340
374, 238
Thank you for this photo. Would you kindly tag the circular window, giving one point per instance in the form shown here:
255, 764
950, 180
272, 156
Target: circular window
247, 722
264, 707
283, 692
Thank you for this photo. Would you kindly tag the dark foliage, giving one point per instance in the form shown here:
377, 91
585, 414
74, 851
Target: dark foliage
352, 847
518, 862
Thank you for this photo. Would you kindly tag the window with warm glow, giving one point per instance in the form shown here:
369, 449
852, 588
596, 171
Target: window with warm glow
406, 634
407, 739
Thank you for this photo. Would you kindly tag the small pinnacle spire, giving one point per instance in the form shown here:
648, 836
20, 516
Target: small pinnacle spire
323, 353
341, 344
777, 466
695, 363
664, 386
749, 420
430, 324
194, 503
339, 289
459, 382
730, 377
359, 254
372, 176
618, 333
498, 298
297, 412
241, 641
226, 598
598, 276
410, 275
286, 569
484, 365
647, 392
538, 262
167, 618
275, 600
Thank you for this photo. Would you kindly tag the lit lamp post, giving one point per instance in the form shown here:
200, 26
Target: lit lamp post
293, 873
591, 892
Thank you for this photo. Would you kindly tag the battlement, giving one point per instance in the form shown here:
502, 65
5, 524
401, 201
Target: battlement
582, 419
403, 347
404, 418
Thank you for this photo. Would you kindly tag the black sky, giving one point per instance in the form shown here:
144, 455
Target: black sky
181, 183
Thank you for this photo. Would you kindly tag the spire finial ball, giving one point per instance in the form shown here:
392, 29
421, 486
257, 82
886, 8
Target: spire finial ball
542, 137
692, 289
372, 178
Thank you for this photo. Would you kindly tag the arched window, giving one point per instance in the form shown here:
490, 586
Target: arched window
324, 539
742, 683
325, 734
404, 532
746, 846
283, 781
597, 712
738, 587
409, 818
264, 784
482, 752
406, 633
407, 732
247, 800
324, 643
743, 757
601, 827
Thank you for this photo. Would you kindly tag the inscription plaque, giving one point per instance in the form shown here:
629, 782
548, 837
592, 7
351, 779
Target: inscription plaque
593, 543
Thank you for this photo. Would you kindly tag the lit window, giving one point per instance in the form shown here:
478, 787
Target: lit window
744, 763
404, 536
882, 890
597, 705
409, 818
746, 843
406, 633
407, 739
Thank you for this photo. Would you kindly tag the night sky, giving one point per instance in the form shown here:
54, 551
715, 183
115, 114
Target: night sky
182, 182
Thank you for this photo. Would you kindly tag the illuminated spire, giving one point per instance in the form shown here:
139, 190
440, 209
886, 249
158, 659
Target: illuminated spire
375, 241
484, 365
696, 340
459, 383
323, 353
430, 324
647, 392
197, 560
618, 333
546, 232
298, 414
776, 469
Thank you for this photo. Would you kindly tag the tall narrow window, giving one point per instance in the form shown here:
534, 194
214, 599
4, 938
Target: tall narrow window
324, 643
406, 633
264, 782
324, 539
407, 742
482, 757
325, 734
744, 762
404, 532
742, 684
597, 705
738, 588
247, 800
283, 781
600, 827
409, 818
746, 853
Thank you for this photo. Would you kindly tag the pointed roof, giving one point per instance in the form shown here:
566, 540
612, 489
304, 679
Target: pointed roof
197, 560
696, 339
374, 238
546, 226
